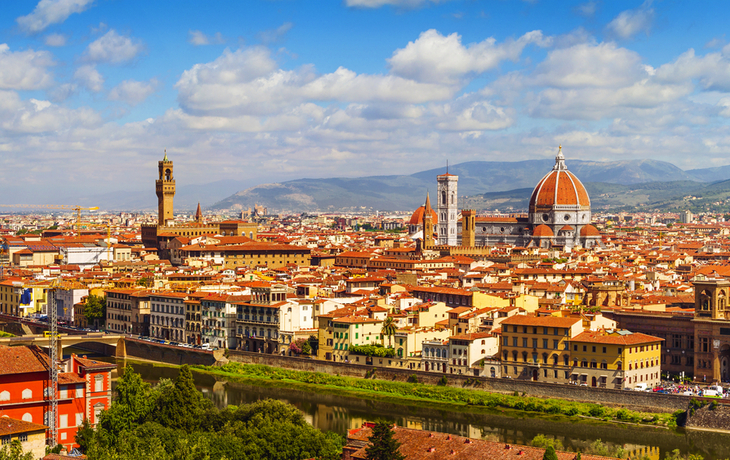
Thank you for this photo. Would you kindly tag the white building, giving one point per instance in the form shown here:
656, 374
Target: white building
167, 316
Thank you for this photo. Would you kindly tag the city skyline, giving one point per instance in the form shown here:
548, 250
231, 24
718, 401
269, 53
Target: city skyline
93, 92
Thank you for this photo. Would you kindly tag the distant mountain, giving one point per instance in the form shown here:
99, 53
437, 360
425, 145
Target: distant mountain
604, 196
406, 192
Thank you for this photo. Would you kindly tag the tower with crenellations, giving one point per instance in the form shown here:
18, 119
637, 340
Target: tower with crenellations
165, 189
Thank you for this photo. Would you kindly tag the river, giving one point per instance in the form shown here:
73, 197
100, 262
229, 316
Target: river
340, 413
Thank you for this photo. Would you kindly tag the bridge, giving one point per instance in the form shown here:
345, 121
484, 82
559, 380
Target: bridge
65, 340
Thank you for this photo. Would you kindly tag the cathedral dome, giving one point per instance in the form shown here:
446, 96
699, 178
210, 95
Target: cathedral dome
559, 189
417, 217
543, 231
589, 230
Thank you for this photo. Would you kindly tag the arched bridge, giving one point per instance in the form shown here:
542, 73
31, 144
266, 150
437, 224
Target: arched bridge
65, 340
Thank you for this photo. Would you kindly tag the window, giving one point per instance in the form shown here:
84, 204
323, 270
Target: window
79, 418
545, 343
534, 343
99, 383
524, 342
5, 440
575, 347
63, 423
27, 393
593, 349
514, 341
585, 348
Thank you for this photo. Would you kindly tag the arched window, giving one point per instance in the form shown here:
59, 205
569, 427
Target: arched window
705, 300
27, 393
27, 417
5, 396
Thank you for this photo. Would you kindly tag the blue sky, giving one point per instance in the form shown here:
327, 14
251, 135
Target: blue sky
93, 91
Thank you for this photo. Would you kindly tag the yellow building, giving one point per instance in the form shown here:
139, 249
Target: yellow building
616, 359
10, 292
538, 348
426, 314
32, 436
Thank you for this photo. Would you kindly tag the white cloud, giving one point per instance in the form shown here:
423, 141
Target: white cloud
435, 58
630, 22
587, 9
198, 38
49, 12
37, 116
90, 78
113, 48
712, 70
133, 92
249, 82
24, 70
275, 35
589, 65
55, 40
62, 92
399, 3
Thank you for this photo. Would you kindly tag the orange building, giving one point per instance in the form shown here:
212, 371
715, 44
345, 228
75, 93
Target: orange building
84, 390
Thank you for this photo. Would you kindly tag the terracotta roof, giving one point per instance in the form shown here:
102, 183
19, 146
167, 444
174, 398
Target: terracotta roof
422, 445
93, 364
616, 338
549, 321
22, 360
9, 426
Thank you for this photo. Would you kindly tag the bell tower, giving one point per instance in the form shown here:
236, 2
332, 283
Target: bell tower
447, 209
165, 189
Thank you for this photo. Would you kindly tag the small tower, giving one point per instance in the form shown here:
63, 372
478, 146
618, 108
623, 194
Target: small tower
427, 224
165, 189
447, 209
468, 227
199, 215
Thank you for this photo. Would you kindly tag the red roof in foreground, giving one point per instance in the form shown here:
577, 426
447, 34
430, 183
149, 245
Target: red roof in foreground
422, 445
22, 360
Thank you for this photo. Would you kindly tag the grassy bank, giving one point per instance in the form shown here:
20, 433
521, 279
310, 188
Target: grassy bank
467, 396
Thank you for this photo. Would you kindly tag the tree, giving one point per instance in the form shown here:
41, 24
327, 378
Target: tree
383, 446
306, 348
95, 308
15, 452
184, 405
550, 454
389, 328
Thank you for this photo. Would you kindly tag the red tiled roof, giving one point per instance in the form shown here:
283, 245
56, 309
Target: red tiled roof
9, 426
22, 360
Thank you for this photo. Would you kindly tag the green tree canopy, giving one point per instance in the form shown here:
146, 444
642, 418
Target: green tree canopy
95, 308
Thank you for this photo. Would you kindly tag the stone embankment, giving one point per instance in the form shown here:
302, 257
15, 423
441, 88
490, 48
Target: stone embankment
706, 415
634, 400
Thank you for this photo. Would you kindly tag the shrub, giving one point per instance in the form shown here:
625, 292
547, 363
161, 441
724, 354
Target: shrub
413, 378
596, 411
443, 381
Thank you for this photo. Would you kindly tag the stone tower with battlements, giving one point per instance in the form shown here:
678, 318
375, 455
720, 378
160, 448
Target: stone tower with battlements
165, 189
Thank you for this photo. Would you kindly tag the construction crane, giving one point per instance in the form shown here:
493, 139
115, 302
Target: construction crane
78, 209
53, 363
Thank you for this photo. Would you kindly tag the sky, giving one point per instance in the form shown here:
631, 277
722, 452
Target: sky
92, 92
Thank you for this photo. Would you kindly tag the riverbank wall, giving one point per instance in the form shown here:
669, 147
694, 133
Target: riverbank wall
635, 400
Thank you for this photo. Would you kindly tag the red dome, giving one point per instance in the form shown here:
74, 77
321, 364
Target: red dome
417, 217
543, 231
559, 187
589, 230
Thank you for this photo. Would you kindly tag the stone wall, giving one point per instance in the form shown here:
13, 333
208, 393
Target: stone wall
170, 354
710, 416
648, 402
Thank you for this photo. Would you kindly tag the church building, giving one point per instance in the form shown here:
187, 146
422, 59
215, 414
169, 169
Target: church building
559, 215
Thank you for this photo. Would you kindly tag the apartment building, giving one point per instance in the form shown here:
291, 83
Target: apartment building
616, 359
538, 348
167, 316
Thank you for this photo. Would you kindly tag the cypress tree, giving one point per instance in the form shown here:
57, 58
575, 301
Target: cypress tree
383, 446
550, 454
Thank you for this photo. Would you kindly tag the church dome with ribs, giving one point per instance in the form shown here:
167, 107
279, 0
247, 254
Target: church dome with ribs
417, 217
559, 190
